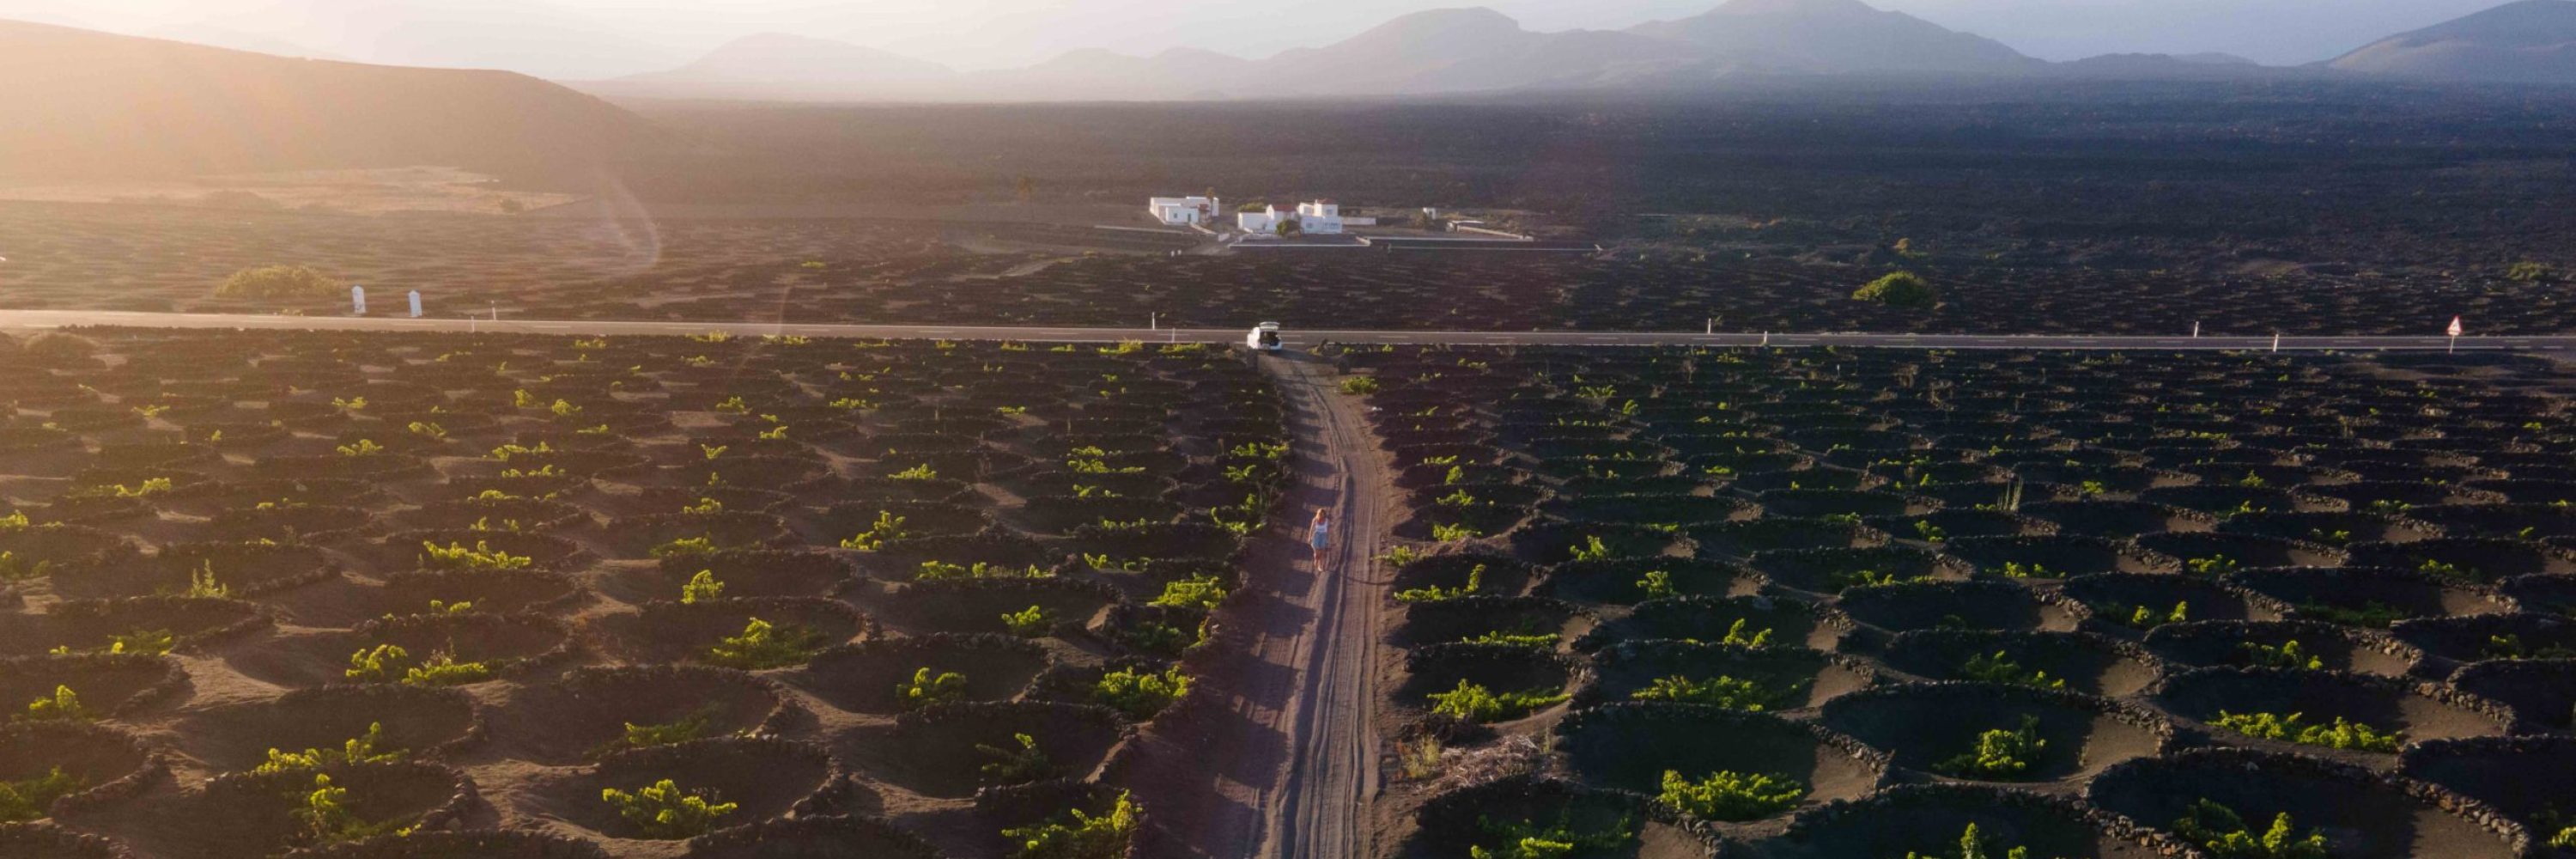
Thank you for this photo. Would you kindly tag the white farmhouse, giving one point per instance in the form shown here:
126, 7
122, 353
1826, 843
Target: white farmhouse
1182, 211
1321, 217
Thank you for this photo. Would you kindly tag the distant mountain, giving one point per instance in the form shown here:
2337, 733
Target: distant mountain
776, 65
240, 41
1836, 37
83, 103
537, 37
2207, 66
1093, 75
1442, 51
1460, 50
2532, 41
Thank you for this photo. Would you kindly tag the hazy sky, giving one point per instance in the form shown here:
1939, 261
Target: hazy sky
600, 38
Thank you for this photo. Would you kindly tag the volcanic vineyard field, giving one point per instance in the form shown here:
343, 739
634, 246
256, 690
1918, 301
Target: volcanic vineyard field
1817, 603
884, 271
523, 596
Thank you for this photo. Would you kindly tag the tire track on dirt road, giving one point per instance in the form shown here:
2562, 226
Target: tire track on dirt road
1321, 809
1283, 762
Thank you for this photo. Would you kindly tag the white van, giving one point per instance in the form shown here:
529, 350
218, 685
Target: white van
1264, 337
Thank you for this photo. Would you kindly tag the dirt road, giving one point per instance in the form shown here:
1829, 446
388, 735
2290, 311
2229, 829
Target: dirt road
1286, 768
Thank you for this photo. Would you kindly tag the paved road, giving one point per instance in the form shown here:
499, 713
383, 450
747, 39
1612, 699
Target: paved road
598, 327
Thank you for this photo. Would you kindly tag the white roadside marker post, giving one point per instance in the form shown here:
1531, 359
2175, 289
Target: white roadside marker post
415, 304
357, 300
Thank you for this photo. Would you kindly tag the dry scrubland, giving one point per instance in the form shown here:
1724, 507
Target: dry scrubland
864, 599
141, 258
2032, 593
2090, 208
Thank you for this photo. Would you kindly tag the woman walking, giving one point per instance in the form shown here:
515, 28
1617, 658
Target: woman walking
1319, 535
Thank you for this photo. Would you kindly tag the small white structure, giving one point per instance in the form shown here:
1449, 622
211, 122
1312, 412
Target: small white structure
1182, 211
1263, 337
1320, 218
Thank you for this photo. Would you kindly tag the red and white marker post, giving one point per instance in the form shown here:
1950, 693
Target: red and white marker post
2455, 335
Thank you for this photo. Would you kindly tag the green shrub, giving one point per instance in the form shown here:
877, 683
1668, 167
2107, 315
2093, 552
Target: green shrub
328, 820
663, 811
2219, 830
762, 645
386, 663
925, 688
14, 568
1031, 622
887, 527
2341, 734
1900, 289
686, 547
149, 642
2000, 668
1140, 695
1656, 584
2000, 755
1528, 840
940, 571
1731, 795
62, 706
2527, 271
1499, 638
2376, 615
1729, 692
1436, 593
278, 281
480, 556
702, 586
2142, 617
1735, 636
1360, 385
2286, 655
2510, 646
1081, 836
1975, 845
690, 727
33, 798
1202, 592
366, 749
1015, 764
1477, 704
378, 664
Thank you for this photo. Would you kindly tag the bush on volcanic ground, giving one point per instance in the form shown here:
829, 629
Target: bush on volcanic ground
2072, 661
895, 675
2333, 710
952, 750
1633, 580
1774, 533
1988, 732
1952, 605
1751, 679
1646, 747
2366, 814
1939, 820
1750, 621
593, 711
2369, 597
402, 721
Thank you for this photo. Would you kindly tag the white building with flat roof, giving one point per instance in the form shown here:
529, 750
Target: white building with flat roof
1321, 218
1182, 211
